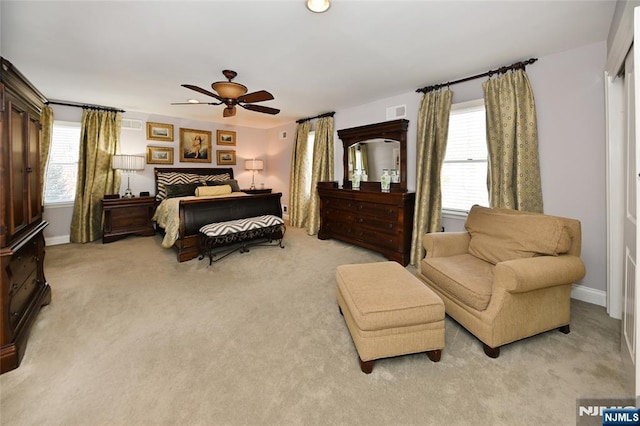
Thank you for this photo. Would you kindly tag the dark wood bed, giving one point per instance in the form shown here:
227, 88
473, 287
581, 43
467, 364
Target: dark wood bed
195, 213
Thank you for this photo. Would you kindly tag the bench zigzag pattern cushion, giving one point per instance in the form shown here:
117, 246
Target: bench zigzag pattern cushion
240, 225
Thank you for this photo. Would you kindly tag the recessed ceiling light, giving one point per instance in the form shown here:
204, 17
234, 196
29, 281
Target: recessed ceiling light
318, 6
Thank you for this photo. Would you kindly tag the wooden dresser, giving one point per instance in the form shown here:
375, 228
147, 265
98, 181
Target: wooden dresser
24, 287
375, 220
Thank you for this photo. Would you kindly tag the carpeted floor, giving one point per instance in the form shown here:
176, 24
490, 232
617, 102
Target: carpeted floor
134, 338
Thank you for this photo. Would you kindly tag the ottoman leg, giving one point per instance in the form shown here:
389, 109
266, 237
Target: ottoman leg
434, 355
366, 366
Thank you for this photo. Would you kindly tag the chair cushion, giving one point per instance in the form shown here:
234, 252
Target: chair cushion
497, 235
463, 277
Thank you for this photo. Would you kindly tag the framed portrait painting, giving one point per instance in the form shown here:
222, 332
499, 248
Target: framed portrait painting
159, 132
226, 137
159, 155
226, 158
195, 146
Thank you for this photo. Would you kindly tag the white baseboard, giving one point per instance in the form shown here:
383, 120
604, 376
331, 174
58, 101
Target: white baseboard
589, 295
54, 241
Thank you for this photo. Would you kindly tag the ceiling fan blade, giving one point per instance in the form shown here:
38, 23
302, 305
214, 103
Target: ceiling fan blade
196, 103
229, 112
203, 91
259, 96
260, 108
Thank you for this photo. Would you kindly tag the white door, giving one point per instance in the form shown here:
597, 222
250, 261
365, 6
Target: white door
628, 339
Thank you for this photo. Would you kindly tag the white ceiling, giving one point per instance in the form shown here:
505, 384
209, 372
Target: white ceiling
135, 54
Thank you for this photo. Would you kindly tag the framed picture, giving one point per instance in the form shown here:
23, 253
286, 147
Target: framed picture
159, 155
195, 146
227, 158
226, 137
159, 132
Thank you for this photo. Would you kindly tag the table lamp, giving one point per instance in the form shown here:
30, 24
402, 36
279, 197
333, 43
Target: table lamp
253, 165
129, 164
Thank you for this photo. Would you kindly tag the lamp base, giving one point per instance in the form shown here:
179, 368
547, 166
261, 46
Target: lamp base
128, 193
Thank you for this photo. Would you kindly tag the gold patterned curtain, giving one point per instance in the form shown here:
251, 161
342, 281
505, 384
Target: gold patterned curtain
99, 141
364, 156
46, 120
323, 169
512, 141
300, 182
433, 129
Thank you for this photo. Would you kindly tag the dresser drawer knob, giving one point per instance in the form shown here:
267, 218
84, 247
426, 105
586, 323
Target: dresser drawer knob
14, 314
14, 286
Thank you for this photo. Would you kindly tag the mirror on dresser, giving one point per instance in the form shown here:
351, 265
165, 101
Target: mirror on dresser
370, 149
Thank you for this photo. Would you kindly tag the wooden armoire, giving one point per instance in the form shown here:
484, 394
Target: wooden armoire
24, 287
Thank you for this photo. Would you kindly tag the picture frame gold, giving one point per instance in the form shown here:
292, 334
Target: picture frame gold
226, 157
159, 155
226, 137
159, 132
195, 146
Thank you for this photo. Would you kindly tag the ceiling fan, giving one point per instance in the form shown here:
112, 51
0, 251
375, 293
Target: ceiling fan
231, 94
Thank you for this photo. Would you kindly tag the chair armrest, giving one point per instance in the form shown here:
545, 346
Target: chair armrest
444, 244
534, 273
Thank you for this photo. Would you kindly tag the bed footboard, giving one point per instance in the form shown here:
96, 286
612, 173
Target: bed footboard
194, 214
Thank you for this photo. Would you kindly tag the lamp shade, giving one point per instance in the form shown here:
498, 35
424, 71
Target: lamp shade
127, 162
253, 164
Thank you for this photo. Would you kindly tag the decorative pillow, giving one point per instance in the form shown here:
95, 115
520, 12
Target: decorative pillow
214, 178
231, 182
181, 189
498, 237
204, 191
172, 178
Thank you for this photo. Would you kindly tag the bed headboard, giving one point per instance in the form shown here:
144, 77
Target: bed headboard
201, 171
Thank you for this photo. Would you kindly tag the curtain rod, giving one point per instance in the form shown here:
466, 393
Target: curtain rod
84, 106
501, 70
327, 114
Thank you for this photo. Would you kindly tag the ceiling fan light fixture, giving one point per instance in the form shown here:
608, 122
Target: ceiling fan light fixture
229, 89
318, 6
193, 101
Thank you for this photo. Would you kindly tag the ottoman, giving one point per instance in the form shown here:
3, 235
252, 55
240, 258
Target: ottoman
389, 312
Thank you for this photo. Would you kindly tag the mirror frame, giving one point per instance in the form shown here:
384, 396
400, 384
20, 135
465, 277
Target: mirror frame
395, 130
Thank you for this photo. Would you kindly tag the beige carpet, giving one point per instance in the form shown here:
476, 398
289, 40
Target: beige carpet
134, 338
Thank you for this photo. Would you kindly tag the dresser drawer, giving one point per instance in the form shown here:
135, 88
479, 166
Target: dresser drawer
390, 241
379, 210
22, 264
20, 299
338, 204
377, 224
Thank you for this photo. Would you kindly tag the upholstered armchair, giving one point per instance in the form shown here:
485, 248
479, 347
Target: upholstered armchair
508, 276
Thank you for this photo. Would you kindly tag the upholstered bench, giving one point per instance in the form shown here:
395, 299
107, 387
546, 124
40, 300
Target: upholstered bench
389, 312
248, 232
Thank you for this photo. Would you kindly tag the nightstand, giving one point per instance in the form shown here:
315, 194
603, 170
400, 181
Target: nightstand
257, 191
127, 216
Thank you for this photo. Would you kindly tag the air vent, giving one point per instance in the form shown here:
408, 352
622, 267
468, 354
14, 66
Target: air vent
395, 112
131, 124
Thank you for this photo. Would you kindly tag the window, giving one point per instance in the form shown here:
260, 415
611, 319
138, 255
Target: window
464, 171
62, 168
